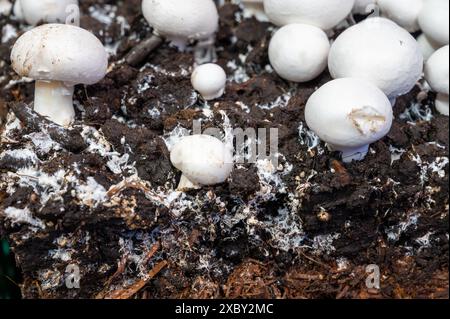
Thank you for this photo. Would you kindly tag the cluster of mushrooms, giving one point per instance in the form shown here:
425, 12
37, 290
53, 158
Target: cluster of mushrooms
372, 63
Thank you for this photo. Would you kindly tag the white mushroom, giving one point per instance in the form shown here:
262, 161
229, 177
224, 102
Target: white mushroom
203, 160
51, 55
349, 114
299, 52
380, 51
324, 14
5, 7
180, 21
427, 46
403, 12
47, 11
254, 8
364, 6
434, 21
437, 76
209, 79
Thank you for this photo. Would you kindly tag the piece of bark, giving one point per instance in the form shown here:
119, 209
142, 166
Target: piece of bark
71, 140
138, 54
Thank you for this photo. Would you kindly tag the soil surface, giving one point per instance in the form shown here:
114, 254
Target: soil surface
305, 229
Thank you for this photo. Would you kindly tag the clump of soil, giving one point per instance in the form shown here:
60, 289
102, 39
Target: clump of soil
305, 229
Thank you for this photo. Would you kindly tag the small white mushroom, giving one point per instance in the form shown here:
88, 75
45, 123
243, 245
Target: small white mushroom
47, 11
51, 55
434, 21
364, 6
209, 80
349, 114
403, 12
380, 51
203, 160
254, 8
299, 52
180, 21
437, 76
324, 14
427, 46
5, 7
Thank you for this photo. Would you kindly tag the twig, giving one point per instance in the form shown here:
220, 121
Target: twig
71, 140
138, 54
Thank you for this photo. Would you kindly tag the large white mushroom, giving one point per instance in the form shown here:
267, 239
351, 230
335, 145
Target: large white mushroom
180, 21
427, 46
324, 14
51, 55
380, 51
203, 160
434, 21
349, 114
403, 12
437, 76
299, 52
5, 7
47, 11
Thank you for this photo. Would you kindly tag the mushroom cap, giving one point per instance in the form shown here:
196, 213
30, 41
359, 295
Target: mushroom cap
299, 52
209, 79
182, 19
203, 159
434, 20
324, 14
403, 12
361, 6
380, 51
5, 7
49, 11
437, 70
349, 112
427, 46
60, 52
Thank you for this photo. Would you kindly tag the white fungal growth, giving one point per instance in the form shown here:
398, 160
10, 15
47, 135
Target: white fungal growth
22, 216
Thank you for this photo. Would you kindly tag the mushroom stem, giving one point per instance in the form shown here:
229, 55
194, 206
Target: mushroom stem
54, 100
187, 184
442, 104
350, 154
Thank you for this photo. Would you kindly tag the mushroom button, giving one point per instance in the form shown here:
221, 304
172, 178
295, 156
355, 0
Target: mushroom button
437, 75
203, 160
363, 6
48, 11
5, 7
209, 79
51, 55
427, 46
403, 12
380, 51
434, 21
324, 14
180, 21
349, 114
299, 52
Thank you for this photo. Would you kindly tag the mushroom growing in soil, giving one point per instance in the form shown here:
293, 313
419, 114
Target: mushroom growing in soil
434, 21
5, 7
363, 6
209, 80
324, 14
47, 11
349, 114
299, 52
437, 76
380, 51
203, 160
51, 55
403, 12
178, 21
